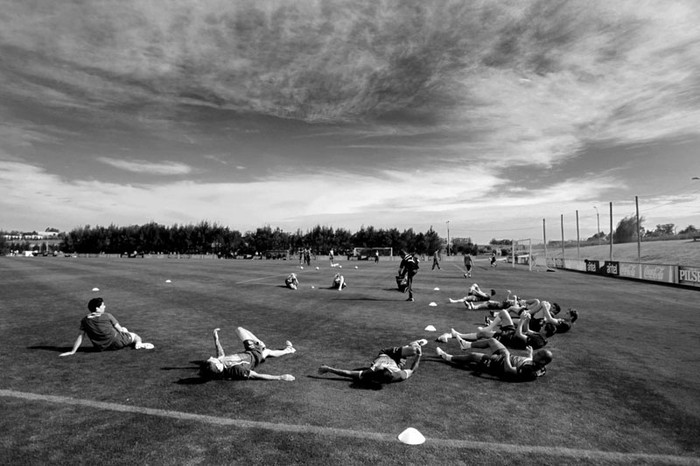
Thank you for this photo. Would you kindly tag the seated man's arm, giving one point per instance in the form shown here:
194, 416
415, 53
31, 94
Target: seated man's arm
76, 345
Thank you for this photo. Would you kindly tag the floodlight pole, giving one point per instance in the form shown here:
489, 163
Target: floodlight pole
639, 236
448, 237
597, 214
578, 240
562, 238
611, 232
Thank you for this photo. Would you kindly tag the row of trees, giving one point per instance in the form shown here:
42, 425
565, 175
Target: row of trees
211, 238
629, 230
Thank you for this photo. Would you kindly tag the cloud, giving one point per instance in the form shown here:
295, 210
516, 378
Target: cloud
470, 88
142, 166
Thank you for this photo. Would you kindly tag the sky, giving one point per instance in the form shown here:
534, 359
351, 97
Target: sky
480, 119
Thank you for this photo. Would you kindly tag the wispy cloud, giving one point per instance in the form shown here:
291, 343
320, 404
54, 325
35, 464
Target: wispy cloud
142, 166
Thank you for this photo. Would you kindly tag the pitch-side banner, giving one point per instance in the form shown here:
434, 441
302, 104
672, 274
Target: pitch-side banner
629, 270
658, 273
611, 268
592, 266
689, 276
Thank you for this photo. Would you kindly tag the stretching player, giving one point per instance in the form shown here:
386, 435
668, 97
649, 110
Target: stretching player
474, 295
387, 367
503, 329
500, 362
292, 282
241, 366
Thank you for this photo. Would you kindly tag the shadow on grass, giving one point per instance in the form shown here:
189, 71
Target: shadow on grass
62, 349
198, 380
356, 385
471, 371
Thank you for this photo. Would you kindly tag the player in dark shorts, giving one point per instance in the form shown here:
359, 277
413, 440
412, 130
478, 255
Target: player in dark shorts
241, 366
502, 329
500, 362
408, 268
388, 366
474, 295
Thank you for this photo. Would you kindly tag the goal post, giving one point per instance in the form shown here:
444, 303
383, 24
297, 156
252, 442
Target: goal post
521, 252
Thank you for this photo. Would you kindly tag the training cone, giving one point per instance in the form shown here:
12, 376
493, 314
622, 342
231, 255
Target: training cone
411, 436
433, 304
430, 328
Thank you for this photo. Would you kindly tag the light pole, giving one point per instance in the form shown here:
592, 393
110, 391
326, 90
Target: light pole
597, 215
448, 237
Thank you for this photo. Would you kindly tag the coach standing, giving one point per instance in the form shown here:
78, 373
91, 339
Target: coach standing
408, 268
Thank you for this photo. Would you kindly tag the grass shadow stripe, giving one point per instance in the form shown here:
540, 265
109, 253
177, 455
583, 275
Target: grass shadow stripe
557, 452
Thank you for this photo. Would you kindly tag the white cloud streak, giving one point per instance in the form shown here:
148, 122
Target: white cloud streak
142, 166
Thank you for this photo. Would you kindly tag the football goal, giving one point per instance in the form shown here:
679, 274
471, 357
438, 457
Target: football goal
522, 254
371, 253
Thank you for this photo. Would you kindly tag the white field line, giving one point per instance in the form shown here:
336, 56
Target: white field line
558, 452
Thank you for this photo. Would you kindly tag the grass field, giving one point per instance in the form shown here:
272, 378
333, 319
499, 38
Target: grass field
623, 387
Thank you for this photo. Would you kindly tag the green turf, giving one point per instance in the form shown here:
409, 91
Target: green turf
624, 383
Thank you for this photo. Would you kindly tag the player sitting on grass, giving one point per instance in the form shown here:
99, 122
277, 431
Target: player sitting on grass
474, 295
240, 366
503, 329
501, 363
292, 281
104, 331
386, 368
338, 282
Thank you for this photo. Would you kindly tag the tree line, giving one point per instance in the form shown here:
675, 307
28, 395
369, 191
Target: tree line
211, 238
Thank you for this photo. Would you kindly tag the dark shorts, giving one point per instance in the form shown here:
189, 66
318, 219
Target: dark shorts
251, 345
121, 340
492, 363
509, 339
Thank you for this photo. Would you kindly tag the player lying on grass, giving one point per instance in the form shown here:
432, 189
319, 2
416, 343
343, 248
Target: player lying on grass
338, 282
500, 362
536, 307
240, 366
104, 331
511, 300
545, 323
292, 281
474, 295
503, 329
387, 367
